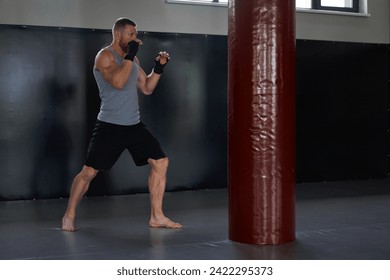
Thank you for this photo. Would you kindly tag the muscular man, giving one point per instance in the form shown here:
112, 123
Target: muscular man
118, 75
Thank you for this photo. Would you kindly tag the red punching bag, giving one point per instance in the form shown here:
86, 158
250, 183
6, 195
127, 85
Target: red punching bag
261, 121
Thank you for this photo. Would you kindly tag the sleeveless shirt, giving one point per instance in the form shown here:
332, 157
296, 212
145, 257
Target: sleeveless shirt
119, 106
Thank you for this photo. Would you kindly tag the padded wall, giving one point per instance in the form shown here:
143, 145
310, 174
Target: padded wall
49, 102
342, 111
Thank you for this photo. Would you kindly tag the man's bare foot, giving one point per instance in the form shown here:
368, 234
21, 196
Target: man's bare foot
68, 224
164, 223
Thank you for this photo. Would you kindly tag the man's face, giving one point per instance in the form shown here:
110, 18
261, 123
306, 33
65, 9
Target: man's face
128, 34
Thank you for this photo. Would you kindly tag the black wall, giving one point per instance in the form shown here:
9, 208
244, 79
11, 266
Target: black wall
342, 111
49, 102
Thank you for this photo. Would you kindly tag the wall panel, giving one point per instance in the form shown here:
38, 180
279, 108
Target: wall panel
49, 102
342, 111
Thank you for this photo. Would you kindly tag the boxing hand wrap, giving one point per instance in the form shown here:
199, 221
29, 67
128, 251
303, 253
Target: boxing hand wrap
132, 48
158, 67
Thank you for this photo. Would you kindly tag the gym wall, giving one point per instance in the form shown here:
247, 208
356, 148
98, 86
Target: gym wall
159, 16
342, 111
50, 101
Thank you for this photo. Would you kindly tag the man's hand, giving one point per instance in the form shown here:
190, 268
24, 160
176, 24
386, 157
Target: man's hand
163, 57
132, 48
161, 60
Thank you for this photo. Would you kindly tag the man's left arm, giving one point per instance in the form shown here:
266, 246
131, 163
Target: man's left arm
147, 83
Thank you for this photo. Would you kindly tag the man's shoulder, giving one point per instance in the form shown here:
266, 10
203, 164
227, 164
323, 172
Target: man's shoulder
105, 54
106, 51
104, 58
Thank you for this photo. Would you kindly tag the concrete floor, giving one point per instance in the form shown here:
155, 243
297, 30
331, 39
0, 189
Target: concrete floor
334, 221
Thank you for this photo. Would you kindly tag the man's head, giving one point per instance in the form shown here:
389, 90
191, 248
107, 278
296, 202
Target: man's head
124, 31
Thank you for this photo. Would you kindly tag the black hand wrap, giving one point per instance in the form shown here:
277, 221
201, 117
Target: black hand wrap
158, 67
132, 48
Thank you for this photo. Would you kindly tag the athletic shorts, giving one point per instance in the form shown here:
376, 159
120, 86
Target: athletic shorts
108, 141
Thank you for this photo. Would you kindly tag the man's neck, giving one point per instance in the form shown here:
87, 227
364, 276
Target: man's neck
117, 49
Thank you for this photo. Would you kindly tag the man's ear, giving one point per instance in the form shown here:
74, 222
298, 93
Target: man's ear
117, 35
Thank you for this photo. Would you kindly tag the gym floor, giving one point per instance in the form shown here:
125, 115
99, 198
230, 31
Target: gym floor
334, 221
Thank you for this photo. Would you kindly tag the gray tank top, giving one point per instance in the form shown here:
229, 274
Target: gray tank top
118, 106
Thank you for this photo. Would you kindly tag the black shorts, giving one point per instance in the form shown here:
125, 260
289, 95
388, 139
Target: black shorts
108, 141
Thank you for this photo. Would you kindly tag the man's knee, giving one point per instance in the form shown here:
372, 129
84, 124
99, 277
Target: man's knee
88, 173
159, 165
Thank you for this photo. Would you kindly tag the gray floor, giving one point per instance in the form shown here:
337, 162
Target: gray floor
335, 220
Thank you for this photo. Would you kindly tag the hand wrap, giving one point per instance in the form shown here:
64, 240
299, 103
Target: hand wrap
158, 67
132, 48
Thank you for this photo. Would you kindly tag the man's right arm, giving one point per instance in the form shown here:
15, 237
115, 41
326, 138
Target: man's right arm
116, 75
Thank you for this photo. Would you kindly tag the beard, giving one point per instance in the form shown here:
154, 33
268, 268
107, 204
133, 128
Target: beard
123, 46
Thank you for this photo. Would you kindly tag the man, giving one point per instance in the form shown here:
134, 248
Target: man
118, 74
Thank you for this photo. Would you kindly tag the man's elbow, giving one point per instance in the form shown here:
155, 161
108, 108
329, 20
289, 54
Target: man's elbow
118, 85
147, 91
